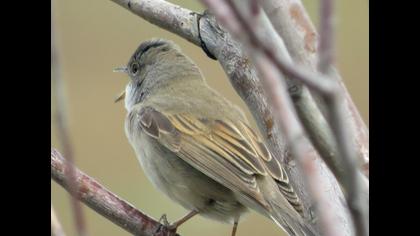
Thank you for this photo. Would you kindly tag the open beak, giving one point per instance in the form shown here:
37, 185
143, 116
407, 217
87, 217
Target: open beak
121, 96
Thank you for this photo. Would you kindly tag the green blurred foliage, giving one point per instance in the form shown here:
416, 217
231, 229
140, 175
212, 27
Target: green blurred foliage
96, 36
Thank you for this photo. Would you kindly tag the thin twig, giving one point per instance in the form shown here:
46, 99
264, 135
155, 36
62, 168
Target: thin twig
62, 130
104, 202
56, 229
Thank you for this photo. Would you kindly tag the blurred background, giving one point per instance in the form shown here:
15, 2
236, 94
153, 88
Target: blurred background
96, 36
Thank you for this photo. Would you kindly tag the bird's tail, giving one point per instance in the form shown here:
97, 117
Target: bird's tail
293, 225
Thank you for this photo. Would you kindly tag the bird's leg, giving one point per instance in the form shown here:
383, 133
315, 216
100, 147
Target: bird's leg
163, 220
235, 226
179, 222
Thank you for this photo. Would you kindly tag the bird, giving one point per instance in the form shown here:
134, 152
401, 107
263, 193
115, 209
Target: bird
198, 148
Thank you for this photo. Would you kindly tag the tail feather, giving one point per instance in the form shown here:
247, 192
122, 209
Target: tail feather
293, 225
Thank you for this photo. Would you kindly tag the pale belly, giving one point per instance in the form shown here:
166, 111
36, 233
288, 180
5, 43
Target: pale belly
185, 185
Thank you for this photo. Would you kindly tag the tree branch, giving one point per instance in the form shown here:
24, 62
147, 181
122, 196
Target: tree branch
104, 202
168, 16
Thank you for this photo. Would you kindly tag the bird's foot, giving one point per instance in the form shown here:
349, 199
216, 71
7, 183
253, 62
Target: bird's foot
163, 220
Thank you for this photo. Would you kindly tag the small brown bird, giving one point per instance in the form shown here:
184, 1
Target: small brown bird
197, 147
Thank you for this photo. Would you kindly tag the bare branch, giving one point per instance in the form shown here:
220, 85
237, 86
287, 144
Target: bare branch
56, 229
61, 124
293, 24
166, 15
104, 202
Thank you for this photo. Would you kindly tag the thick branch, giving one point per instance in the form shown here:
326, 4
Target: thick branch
104, 202
168, 16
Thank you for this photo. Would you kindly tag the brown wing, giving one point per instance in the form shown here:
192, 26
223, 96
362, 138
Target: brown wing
230, 153
275, 170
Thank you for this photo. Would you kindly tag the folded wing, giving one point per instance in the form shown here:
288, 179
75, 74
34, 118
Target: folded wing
227, 151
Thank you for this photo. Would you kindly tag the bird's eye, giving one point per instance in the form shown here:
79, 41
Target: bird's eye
134, 68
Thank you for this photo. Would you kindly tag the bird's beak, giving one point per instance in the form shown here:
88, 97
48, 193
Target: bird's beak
121, 96
121, 69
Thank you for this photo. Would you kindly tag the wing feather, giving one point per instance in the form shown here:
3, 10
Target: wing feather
226, 151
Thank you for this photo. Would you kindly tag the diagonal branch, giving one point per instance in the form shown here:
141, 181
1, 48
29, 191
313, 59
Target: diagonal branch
168, 16
104, 202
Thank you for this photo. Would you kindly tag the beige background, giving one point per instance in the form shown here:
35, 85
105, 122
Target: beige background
96, 36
